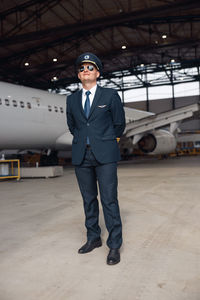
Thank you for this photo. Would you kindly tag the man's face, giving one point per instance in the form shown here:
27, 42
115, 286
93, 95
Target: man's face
88, 73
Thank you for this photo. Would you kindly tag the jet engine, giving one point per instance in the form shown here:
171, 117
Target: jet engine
157, 142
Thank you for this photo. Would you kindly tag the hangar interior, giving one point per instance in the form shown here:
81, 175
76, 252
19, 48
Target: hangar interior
42, 220
40, 41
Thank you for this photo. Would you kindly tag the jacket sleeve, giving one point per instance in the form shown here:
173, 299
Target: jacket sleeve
118, 114
70, 118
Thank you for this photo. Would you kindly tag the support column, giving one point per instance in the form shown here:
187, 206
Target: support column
199, 80
173, 95
147, 92
123, 97
123, 90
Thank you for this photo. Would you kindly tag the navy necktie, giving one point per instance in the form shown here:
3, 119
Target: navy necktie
87, 104
87, 109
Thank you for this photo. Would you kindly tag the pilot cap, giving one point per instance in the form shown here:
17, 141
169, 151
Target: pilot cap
90, 58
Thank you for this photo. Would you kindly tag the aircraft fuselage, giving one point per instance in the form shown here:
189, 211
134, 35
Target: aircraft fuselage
32, 118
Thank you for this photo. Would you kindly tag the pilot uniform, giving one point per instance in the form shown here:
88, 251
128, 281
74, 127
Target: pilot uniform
95, 153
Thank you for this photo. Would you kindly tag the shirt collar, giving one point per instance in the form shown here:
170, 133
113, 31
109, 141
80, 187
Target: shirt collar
92, 90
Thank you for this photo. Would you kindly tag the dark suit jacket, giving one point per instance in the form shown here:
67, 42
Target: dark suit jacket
105, 123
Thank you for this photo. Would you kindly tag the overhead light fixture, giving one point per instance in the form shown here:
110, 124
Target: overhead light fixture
55, 59
26, 64
54, 78
164, 36
172, 60
123, 47
142, 65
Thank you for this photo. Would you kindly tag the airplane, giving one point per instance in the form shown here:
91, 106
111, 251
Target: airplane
36, 119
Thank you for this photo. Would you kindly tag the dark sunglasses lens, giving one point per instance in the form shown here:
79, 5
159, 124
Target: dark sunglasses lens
81, 69
90, 68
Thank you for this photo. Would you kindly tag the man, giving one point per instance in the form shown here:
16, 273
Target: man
96, 119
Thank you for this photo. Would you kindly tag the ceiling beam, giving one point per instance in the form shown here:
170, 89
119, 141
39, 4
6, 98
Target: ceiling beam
43, 69
141, 17
31, 17
75, 32
117, 74
20, 7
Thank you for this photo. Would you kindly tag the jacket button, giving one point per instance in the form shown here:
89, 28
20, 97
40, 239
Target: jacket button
88, 124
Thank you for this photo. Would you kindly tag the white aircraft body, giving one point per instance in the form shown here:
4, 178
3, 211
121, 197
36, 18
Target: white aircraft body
35, 119
32, 119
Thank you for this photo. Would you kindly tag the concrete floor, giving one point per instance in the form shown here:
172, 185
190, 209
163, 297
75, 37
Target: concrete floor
41, 223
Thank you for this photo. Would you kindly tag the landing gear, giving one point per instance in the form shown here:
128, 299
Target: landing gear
49, 160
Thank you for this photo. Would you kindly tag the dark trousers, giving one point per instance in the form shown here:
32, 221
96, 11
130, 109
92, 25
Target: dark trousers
88, 174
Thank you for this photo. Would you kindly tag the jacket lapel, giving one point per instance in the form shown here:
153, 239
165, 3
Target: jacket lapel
80, 106
95, 100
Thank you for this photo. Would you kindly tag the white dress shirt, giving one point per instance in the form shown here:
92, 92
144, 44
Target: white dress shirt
91, 96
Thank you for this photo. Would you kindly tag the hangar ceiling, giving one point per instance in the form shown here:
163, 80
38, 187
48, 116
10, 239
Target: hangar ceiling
40, 40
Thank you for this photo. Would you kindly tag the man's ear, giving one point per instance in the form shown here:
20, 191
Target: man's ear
98, 74
78, 76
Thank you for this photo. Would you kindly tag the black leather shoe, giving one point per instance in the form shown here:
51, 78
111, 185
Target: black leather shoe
89, 246
113, 257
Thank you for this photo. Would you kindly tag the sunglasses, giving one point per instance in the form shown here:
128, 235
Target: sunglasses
82, 68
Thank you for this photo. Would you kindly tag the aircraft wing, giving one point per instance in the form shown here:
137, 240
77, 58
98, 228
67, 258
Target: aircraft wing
144, 130
151, 122
132, 114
